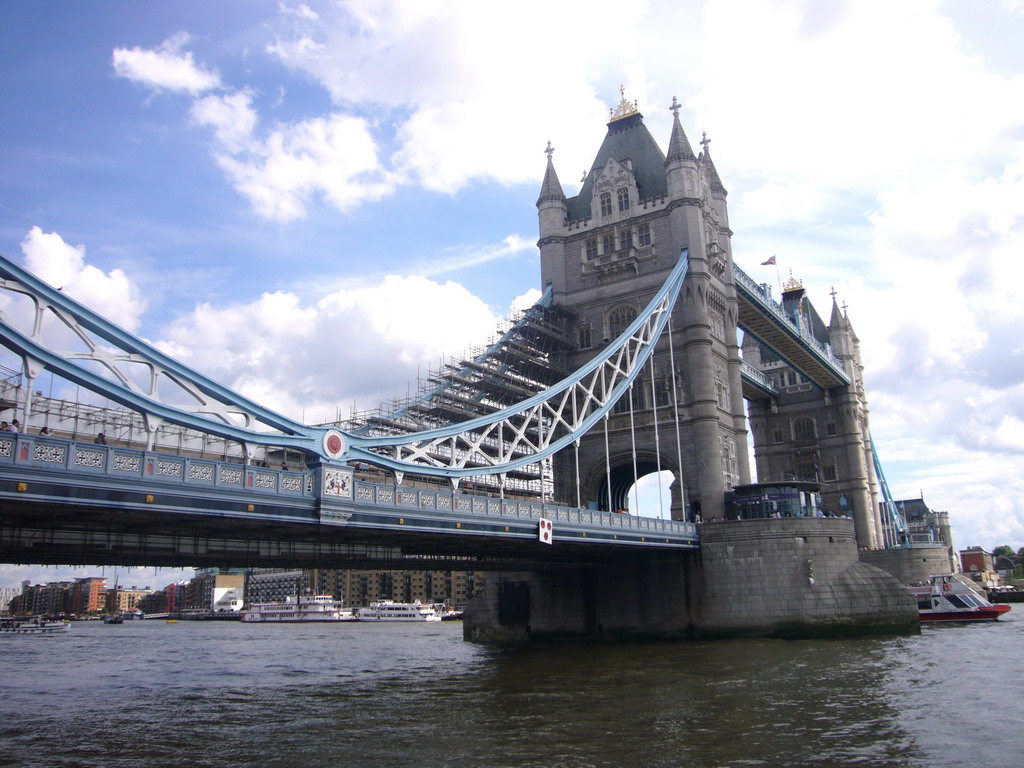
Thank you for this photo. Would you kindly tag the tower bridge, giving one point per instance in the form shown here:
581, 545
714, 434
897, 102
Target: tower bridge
518, 459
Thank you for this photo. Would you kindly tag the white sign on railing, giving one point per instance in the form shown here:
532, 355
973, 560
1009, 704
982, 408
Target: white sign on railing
545, 531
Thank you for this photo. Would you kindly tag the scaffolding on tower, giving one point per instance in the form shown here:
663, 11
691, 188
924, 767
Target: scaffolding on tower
527, 356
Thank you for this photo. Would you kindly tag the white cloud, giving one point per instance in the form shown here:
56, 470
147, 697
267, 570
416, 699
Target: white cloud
231, 116
466, 100
165, 67
475, 256
362, 345
113, 295
334, 156
524, 301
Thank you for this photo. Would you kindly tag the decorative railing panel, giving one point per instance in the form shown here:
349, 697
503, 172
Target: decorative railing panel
67, 458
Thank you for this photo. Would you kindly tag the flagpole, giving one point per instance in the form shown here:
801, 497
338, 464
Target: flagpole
773, 260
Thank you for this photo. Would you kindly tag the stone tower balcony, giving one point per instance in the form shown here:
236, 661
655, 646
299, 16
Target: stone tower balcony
617, 265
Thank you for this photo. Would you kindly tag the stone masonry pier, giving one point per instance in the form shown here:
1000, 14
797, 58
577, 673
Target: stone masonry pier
789, 577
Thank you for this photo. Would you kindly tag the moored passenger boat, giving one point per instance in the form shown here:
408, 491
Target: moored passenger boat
32, 625
950, 598
294, 609
387, 610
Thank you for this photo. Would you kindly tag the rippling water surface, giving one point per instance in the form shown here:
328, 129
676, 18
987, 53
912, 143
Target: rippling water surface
226, 694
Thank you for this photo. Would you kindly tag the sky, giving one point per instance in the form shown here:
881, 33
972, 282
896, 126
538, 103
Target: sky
315, 202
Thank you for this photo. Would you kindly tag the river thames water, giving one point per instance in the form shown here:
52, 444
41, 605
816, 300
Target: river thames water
229, 694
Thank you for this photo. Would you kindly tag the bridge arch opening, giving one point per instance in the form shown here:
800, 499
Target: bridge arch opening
651, 495
644, 491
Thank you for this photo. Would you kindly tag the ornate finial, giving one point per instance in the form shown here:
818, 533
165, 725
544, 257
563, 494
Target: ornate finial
674, 109
625, 109
549, 151
583, 178
844, 309
832, 293
792, 284
704, 141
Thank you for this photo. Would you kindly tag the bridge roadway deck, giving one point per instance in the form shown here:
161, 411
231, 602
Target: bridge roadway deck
67, 502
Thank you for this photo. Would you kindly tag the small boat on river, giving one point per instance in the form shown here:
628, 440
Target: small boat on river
31, 625
303, 608
949, 597
387, 610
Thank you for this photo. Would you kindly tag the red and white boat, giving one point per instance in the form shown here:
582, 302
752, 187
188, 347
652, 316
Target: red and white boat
950, 597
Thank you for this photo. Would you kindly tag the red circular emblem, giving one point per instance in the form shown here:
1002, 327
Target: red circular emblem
334, 444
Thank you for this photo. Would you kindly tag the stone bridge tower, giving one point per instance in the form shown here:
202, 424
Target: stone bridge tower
814, 434
605, 252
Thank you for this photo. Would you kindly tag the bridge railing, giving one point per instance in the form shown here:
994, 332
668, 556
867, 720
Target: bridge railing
113, 463
759, 378
117, 462
386, 495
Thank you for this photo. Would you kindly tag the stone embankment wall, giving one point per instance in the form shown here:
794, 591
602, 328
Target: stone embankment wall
910, 566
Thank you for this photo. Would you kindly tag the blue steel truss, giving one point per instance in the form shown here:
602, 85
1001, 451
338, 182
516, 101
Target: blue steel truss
217, 410
506, 440
892, 512
541, 425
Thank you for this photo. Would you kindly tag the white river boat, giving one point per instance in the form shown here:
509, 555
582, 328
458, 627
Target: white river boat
295, 609
387, 610
31, 625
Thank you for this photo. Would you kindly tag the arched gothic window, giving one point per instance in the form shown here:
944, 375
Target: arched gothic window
619, 319
583, 337
803, 429
623, 199
729, 464
643, 235
606, 203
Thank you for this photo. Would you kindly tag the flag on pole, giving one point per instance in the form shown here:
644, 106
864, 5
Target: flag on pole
769, 262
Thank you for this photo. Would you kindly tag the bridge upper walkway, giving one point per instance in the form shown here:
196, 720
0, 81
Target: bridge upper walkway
766, 319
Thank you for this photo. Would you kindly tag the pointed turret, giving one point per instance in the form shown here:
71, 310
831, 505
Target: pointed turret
838, 333
551, 188
839, 322
836, 321
679, 148
551, 205
843, 340
681, 163
714, 181
849, 326
716, 190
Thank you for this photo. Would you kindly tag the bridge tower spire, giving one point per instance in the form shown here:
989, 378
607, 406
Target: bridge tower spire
617, 239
